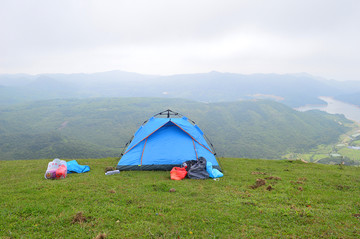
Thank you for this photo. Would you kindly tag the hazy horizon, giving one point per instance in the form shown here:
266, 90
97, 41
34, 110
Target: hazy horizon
179, 73
181, 37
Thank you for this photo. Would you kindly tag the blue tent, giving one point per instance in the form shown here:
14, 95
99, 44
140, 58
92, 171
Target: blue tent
164, 143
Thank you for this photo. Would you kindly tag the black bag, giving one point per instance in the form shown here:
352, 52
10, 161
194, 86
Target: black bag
198, 170
188, 164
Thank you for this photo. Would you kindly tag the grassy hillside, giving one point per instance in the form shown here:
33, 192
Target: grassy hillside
100, 127
298, 200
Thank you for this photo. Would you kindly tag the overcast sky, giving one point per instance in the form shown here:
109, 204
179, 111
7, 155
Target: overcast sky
320, 37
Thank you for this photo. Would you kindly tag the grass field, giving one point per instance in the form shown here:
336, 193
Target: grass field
298, 200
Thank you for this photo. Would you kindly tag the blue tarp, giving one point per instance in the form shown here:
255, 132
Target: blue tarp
74, 167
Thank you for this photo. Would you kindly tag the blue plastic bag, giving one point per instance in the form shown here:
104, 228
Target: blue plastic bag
213, 172
74, 167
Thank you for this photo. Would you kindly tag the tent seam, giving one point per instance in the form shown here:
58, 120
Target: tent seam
195, 150
142, 154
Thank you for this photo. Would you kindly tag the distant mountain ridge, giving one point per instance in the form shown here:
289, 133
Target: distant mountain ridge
353, 98
291, 89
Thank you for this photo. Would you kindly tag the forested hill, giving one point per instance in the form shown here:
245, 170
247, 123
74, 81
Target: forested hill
95, 128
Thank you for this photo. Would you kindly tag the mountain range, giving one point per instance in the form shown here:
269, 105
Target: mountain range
293, 90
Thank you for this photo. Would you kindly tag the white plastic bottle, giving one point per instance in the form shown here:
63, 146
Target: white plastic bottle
112, 172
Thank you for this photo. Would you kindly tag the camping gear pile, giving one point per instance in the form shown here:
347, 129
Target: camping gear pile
58, 169
195, 169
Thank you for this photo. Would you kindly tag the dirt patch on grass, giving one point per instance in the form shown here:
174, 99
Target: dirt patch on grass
299, 181
259, 182
109, 169
342, 187
79, 218
249, 203
269, 188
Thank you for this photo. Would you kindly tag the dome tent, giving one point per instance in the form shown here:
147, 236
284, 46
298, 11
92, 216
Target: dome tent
163, 143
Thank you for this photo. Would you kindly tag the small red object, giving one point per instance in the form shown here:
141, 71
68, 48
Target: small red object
178, 173
61, 172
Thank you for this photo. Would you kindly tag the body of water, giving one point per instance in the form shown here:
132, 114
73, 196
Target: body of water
351, 112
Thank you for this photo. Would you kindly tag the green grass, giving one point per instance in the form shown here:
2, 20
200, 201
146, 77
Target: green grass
309, 201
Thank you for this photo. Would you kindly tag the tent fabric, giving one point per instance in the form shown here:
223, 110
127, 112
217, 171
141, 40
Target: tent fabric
74, 167
143, 132
164, 143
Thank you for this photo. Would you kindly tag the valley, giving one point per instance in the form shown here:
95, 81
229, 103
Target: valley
345, 151
100, 127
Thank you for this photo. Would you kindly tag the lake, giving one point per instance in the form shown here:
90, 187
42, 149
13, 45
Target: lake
333, 106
